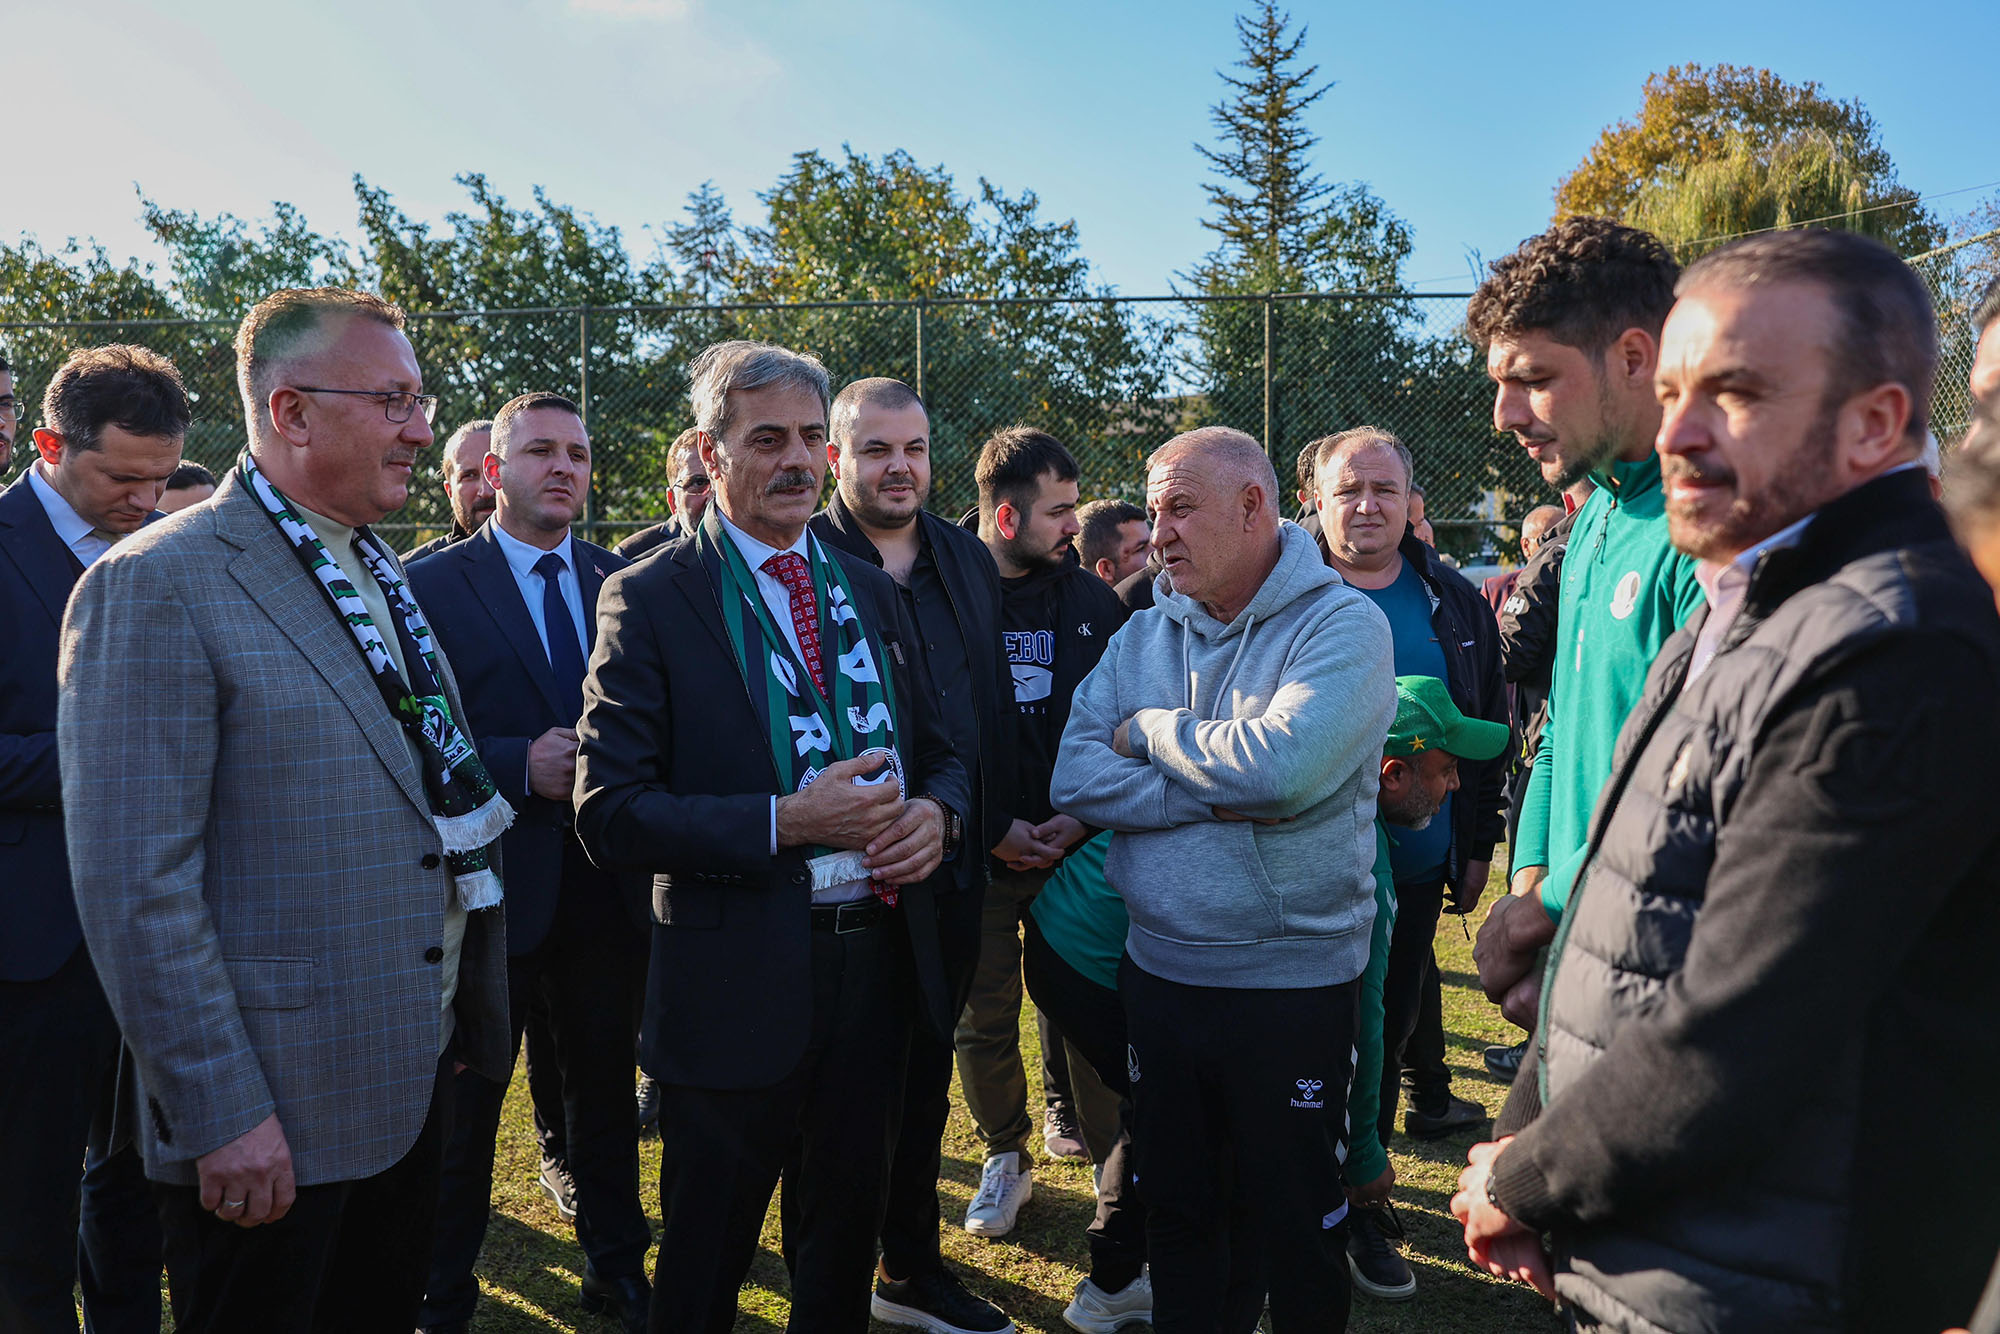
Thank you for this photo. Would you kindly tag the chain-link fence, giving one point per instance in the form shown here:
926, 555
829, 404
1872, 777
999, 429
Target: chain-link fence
1111, 377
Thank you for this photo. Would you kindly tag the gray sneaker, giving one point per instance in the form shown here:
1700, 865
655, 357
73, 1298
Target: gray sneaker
1095, 1311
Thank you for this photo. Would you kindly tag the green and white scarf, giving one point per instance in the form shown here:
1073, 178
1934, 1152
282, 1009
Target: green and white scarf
468, 810
808, 730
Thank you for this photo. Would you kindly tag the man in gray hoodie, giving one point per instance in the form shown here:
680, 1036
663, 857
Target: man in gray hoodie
1231, 740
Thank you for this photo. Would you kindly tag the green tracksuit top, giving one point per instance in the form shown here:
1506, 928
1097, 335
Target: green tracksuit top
1624, 590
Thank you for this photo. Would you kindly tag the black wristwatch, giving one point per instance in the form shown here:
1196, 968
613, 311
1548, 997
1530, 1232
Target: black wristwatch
954, 828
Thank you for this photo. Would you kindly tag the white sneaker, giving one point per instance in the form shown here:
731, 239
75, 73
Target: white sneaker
1095, 1311
1005, 1184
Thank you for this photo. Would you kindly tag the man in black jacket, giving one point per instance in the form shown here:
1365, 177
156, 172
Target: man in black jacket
880, 455
1055, 619
687, 496
753, 736
1443, 628
462, 468
1774, 980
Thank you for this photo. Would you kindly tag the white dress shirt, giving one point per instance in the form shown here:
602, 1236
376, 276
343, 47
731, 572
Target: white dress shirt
778, 601
75, 531
521, 560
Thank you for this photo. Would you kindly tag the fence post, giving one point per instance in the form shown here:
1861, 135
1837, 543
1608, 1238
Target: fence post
922, 304
583, 407
1270, 445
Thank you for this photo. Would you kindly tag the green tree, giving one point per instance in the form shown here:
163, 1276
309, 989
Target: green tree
1690, 116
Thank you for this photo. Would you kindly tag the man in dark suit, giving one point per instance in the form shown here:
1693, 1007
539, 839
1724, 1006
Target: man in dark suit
753, 735
687, 497
515, 607
880, 456
113, 422
462, 468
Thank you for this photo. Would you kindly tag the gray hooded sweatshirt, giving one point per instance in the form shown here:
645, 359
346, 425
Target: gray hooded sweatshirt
1281, 714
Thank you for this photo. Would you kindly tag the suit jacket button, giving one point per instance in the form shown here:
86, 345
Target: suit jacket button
435, 954
798, 877
430, 861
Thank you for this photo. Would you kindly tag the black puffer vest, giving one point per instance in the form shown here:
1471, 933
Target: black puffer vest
1764, 1251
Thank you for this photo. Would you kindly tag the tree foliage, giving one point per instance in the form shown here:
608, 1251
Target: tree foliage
1706, 128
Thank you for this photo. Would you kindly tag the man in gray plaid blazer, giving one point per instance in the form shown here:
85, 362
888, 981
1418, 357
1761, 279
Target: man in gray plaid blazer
280, 880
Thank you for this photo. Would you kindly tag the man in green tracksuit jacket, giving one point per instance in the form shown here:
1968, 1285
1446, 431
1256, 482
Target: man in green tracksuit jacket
1571, 324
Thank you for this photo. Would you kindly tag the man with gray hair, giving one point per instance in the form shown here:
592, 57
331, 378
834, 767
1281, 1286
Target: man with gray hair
754, 738
284, 845
1232, 743
462, 466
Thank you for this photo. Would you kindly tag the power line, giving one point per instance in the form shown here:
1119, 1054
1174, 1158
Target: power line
1837, 217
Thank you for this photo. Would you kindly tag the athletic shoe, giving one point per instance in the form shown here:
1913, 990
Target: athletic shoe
649, 1106
1005, 1184
1061, 1134
559, 1186
1379, 1269
1457, 1115
937, 1302
1095, 1311
1505, 1062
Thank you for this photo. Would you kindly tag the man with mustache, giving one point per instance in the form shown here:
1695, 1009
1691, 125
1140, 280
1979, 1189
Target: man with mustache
754, 736
1570, 324
1055, 619
462, 465
515, 607
1775, 974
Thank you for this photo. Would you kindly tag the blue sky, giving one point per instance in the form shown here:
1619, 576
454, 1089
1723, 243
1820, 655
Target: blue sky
1461, 116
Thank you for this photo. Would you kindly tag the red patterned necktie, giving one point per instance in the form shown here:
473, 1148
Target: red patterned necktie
789, 568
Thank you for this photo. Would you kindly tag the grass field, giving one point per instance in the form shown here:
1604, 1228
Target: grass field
531, 1269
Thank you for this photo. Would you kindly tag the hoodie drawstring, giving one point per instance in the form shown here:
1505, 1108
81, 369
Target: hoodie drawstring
1187, 662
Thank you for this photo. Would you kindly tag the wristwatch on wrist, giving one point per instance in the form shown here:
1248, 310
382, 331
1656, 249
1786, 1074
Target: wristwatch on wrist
953, 826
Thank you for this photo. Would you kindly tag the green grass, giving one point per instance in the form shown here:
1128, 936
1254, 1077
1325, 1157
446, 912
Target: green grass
531, 1268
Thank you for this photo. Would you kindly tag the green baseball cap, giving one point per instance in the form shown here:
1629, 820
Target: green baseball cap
1426, 719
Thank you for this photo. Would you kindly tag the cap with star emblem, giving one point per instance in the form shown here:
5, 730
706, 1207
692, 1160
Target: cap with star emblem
1426, 719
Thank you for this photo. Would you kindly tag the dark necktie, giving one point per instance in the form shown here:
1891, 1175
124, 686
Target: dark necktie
565, 650
789, 569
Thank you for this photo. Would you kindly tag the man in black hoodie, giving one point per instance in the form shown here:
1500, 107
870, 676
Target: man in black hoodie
1055, 619
879, 452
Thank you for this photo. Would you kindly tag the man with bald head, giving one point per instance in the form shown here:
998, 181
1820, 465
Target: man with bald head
1232, 743
463, 468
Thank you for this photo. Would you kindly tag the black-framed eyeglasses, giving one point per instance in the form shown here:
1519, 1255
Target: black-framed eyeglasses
397, 404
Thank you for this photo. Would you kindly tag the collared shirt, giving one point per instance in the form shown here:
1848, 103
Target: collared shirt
75, 531
338, 539
778, 601
521, 560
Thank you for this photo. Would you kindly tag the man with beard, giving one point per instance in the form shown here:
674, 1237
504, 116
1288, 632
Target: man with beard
463, 468
515, 607
1775, 973
880, 455
1056, 617
1114, 541
1571, 323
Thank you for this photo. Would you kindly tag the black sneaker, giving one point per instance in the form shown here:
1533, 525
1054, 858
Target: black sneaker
937, 1302
1379, 1269
1060, 1133
559, 1186
1456, 1115
1505, 1062
649, 1105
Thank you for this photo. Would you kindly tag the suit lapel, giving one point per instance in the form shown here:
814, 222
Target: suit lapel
271, 574
492, 581
700, 581
30, 541
589, 582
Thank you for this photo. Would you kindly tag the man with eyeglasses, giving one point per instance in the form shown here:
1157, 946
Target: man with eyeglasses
687, 497
285, 848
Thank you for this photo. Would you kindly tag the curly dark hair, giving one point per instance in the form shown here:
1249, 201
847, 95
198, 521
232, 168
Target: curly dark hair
1582, 282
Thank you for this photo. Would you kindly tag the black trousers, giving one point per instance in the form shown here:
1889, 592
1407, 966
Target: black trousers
119, 1247
1092, 1019
58, 1058
1413, 1007
349, 1257
911, 1214
832, 1118
1239, 1103
587, 973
